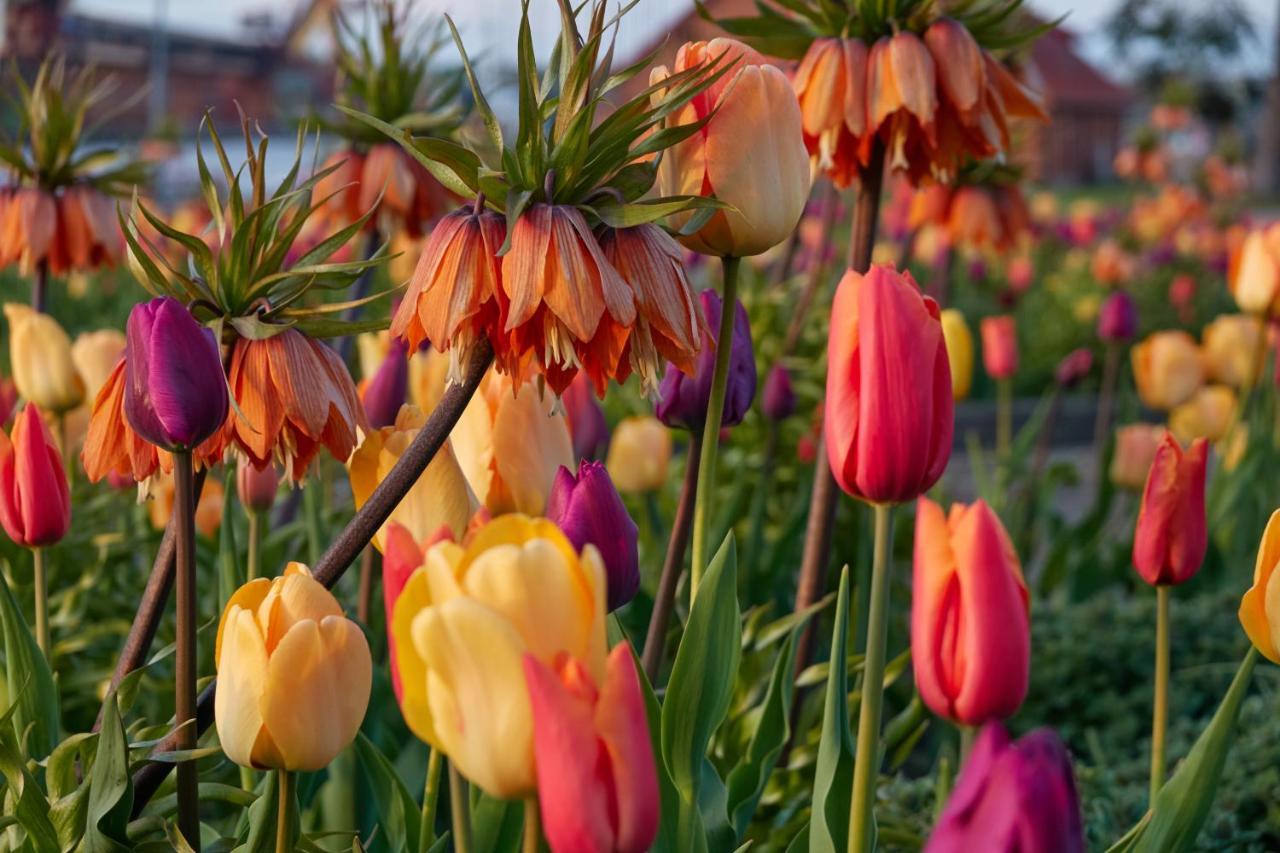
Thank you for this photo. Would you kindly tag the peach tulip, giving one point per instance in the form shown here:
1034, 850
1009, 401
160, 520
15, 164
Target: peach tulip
1208, 415
40, 355
1255, 274
1135, 448
1167, 368
1171, 537
1260, 606
639, 453
94, 355
1000, 346
1233, 346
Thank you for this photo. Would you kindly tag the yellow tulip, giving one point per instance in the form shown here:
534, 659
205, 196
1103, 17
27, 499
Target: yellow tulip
1230, 344
95, 355
1167, 368
510, 446
1255, 274
428, 378
40, 353
463, 625
293, 674
1260, 606
638, 455
439, 498
959, 341
1208, 414
371, 351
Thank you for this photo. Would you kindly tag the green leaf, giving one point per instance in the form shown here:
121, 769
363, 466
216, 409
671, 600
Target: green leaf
698, 696
833, 775
110, 786
496, 825
398, 814
1184, 802
747, 780
29, 679
31, 807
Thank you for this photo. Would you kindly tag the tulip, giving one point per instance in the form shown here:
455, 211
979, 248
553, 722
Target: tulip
750, 154
1208, 415
639, 454
509, 445
1118, 317
1255, 277
1171, 537
1000, 346
1260, 606
440, 497
35, 505
387, 387
597, 780
1073, 368
1233, 346
256, 487
684, 399
1010, 797
40, 355
95, 355
970, 635
1167, 368
888, 414
959, 342
463, 624
587, 426
778, 401
589, 511
294, 674
1135, 449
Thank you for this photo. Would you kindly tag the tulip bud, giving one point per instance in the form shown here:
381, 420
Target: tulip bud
587, 426
1171, 537
597, 780
639, 454
1256, 279
35, 504
779, 398
386, 390
1073, 368
1118, 317
95, 355
970, 634
888, 417
684, 399
589, 510
1260, 611
959, 341
40, 354
1012, 796
1000, 346
1167, 368
294, 674
255, 486
175, 388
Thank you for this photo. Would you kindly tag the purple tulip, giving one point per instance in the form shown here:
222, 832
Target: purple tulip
385, 392
779, 399
1012, 797
1074, 367
175, 390
684, 399
587, 426
1118, 318
589, 510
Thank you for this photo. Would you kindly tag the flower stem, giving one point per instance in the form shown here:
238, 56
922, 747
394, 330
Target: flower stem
867, 757
186, 661
368, 577
1004, 418
42, 602
1106, 400
284, 781
532, 832
460, 807
655, 638
430, 800
968, 734
39, 286
1160, 704
257, 519
711, 429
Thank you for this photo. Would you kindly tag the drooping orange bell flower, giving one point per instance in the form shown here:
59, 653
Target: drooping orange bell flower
831, 85
385, 182
28, 225
295, 396
73, 231
977, 216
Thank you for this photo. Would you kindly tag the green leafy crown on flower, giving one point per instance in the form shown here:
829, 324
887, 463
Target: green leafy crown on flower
786, 28
564, 152
52, 146
385, 69
244, 270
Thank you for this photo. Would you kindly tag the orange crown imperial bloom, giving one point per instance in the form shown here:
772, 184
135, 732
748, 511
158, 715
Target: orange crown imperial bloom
831, 84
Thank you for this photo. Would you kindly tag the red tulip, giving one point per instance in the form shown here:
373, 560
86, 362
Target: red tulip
597, 782
400, 558
1171, 538
970, 634
35, 504
889, 414
1000, 346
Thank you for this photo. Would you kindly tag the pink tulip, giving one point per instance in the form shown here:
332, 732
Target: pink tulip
35, 504
255, 486
1000, 346
1169, 544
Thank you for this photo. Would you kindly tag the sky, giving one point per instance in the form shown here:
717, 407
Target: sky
489, 25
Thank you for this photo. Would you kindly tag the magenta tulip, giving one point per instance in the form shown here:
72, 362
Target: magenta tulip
589, 510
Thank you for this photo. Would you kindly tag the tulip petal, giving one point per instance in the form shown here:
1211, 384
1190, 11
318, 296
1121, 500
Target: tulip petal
623, 725
242, 678
295, 598
408, 669
530, 443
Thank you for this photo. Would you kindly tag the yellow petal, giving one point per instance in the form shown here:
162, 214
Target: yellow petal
248, 597
529, 446
472, 441
242, 675
293, 598
415, 598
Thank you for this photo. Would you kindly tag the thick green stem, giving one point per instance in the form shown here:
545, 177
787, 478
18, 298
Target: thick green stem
532, 832
968, 734
186, 660
867, 758
284, 843
42, 602
1160, 704
257, 519
430, 800
460, 808
711, 430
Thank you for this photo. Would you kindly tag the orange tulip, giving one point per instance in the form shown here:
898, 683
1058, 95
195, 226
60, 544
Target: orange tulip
831, 86
35, 503
970, 632
1171, 537
1255, 272
1233, 346
1167, 368
749, 155
1000, 346
1260, 606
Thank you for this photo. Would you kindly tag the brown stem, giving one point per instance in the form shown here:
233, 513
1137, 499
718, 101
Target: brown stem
368, 577
817, 274
40, 287
184, 508
655, 640
354, 537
